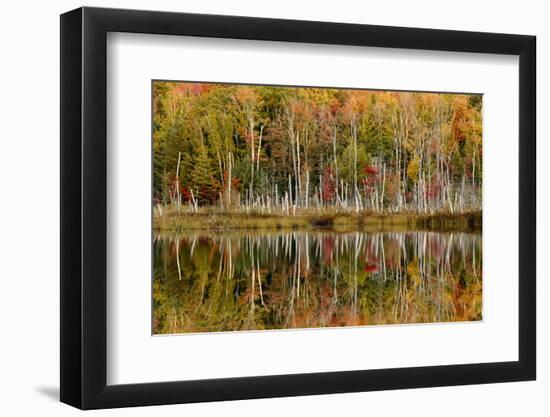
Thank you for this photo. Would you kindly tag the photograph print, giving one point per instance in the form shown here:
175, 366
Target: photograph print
289, 207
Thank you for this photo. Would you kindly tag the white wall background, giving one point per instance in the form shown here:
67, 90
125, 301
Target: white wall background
29, 213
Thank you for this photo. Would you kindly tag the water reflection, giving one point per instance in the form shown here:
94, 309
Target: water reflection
257, 280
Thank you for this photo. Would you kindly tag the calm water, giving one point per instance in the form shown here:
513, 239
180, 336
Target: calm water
223, 281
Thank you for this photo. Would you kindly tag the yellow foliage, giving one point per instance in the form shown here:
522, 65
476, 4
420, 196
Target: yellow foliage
414, 272
412, 169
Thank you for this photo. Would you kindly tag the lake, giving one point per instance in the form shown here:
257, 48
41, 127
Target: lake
211, 281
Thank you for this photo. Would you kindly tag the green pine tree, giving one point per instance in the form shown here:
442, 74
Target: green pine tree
204, 183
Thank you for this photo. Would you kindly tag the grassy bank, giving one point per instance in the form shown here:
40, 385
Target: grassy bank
471, 221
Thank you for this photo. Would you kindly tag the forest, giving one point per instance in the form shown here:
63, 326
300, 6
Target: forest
291, 151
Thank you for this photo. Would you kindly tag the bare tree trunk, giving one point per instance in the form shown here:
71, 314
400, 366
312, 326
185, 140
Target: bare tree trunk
383, 188
220, 167
290, 189
355, 189
252, 158
178, 196
320, 191
307, 189
259, 148
229, 179
299, 172
474, 191
195, 203
335, 164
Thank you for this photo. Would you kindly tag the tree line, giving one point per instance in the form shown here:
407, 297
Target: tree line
287, 149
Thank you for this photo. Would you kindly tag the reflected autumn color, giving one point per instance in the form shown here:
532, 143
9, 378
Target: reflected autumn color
209, 282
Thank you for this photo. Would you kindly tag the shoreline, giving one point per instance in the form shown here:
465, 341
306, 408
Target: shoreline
220, 221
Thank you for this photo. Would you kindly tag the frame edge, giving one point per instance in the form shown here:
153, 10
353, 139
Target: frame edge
527, 245
70, 208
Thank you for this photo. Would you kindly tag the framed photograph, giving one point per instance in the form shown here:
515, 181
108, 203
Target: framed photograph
256, 208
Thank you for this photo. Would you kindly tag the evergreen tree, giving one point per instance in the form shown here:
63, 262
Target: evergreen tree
204, 184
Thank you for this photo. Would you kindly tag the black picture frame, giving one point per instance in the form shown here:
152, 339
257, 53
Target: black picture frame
84, 207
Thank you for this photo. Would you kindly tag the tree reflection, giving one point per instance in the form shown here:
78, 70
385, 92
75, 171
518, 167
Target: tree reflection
246, 281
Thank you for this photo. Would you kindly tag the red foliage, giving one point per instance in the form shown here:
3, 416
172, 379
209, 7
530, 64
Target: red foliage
176, 185
372, 178
185, 193
192, 88
370, 170
334, 106
328, 249
328, 184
